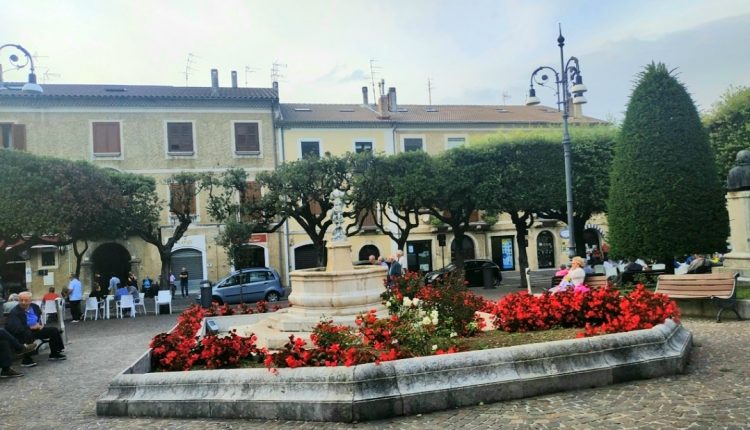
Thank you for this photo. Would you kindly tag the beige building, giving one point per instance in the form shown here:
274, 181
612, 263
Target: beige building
390, 128
151, 130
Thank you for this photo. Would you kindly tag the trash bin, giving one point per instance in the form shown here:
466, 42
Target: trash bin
488, 275
206, 294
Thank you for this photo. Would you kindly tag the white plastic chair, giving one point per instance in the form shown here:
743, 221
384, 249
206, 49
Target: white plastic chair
163, 298
50, 307
142, 302
91, 305
106, 306
126, 302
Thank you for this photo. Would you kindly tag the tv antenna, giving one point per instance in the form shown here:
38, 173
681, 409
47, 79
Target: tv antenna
373, 72
47, 74
248, 70
276, 71
506, 96
189, 66
430, 87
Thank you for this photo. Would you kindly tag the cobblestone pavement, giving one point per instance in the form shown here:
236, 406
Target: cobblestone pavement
713, 394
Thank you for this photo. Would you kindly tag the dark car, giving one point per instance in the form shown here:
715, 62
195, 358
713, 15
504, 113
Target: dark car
472, 273
249, 285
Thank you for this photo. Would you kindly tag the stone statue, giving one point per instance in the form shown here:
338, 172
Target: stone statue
337, 217
738, 178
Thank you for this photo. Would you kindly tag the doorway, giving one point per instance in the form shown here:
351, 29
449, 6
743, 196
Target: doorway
545, 250
503, 252
111, 259
467, 249
192, 260
419, 255
250, 256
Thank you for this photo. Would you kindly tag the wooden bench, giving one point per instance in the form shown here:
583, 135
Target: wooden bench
591, 281
719, 287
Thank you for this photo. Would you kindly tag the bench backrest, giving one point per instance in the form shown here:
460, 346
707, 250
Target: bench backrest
591, 281
697, 286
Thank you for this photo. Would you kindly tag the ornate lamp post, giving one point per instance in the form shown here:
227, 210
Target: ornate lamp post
570, 73
17, 63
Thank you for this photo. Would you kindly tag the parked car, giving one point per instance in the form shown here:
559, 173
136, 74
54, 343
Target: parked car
249, 285
472, 273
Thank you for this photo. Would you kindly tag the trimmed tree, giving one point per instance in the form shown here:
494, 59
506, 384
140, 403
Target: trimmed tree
665, 198
729, 128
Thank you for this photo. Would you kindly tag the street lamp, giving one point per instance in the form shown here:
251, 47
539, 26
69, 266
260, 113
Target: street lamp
31, 86
570, 72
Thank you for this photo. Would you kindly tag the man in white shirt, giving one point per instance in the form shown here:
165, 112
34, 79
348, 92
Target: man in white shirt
402, 261
75, 297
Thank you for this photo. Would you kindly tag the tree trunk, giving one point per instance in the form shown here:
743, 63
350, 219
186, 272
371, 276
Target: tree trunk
79, 255
522, 229
458, 241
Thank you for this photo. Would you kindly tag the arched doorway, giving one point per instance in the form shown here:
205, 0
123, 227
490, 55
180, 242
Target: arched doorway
545, 250
591, 238
467, 249
366, 251
250, 256
111, 259
305, 257
192, 261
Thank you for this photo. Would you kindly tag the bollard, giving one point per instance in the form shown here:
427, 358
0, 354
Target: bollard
206, 294
488, 278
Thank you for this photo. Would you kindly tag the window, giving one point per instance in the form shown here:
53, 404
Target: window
106, 136
474, 216
49, 257
454, 142
260, 276
246, 138
13, 136
412, 144
314, 205
252, 193
310, 148
362, 147
182, 198
180, 138
368, 219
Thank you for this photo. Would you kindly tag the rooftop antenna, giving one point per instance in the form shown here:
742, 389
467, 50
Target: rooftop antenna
430, 87
381, 86
189, 66
373, 72
248, 70
276, 72
506, 96
47, 74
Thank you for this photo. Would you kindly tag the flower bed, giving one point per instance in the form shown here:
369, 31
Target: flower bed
424, 320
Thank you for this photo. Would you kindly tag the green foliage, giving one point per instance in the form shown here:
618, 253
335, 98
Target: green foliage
729, 128
665, 198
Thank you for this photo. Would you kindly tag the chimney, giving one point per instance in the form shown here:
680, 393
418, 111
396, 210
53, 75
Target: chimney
275, 86
234, 79
577, 111
383, 107
392, 106
364, 96
214, 82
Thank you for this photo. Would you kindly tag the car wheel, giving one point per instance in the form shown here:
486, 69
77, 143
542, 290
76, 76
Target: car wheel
272, 296
217, 300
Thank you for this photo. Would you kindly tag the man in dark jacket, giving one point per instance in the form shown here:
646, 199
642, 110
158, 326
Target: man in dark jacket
25, 323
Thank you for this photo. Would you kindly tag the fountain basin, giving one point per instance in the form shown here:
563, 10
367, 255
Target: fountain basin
402, 387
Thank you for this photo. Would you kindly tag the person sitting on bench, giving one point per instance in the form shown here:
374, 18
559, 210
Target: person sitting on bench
25, 323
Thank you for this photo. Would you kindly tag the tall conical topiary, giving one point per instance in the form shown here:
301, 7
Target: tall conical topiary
665, 197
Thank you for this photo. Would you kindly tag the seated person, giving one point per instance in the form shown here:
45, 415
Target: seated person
147, 286
96, 292
133, 291
51, 295
9, 346
11, 303
699, 265
120, 291
24, 322
575, 276
563, 270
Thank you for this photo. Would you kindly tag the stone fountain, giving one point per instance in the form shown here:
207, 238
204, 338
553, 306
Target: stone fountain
340, 292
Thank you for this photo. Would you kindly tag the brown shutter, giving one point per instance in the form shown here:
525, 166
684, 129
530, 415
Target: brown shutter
178, 194
252, 193
19, 137
315, 206
368, 218
106, 137
474, 217
180, 137
246, 137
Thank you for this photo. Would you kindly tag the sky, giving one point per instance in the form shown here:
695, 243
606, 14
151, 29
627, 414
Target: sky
473, 51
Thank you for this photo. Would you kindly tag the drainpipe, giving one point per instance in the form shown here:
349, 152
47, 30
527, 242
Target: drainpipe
285, 239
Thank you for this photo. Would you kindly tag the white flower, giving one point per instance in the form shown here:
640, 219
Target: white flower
434, 314
434, 321
407, 302
421, 313
434, 347
416, 301
388, 304
426, 321
454, 334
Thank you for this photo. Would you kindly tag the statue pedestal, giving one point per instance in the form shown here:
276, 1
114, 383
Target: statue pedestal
340, 293
738, 206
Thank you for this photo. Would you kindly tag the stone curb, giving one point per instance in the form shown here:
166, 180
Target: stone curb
402, 387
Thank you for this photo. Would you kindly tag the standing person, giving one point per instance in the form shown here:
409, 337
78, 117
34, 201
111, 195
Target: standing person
395, 268
114, 281
401, 258
132, 280
184, 282
75, 297
172, 286
25, 323
147, 287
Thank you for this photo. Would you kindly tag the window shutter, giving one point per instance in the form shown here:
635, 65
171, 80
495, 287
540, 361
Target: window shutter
106, 137
246, 137
19, 137
252, 193
474, 217
178, 195
180, 136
